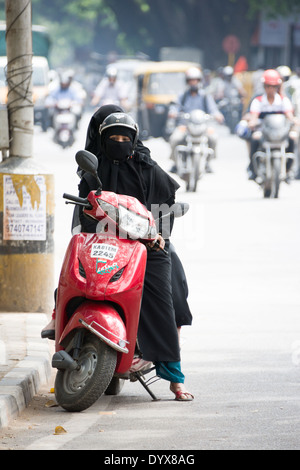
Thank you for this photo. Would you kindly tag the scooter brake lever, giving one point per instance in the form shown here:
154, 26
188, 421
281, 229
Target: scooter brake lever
162, 249
86, 205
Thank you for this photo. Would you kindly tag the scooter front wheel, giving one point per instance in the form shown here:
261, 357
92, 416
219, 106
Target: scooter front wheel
77, 390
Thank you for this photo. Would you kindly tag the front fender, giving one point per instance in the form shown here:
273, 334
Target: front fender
101, 319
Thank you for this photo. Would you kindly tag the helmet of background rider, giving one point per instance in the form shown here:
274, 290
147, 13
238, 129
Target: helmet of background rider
111, 73
227, 72
65, 79
194, 77
284, 72
120, 120
271, 77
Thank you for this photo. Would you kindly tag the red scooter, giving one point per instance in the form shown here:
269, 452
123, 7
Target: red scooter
99, 296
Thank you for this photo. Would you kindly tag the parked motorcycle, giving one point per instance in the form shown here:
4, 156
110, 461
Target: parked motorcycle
231, 107
270, 161
65, 122
99, 296
191, 159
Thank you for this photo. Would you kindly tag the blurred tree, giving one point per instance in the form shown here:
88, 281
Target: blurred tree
158, 23
129, 26
79, 27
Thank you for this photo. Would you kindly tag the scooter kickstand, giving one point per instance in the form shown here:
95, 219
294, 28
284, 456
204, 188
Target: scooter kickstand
139, 376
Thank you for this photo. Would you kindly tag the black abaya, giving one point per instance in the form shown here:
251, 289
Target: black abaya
157, 335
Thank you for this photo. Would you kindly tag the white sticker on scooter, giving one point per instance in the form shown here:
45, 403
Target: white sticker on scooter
104, 251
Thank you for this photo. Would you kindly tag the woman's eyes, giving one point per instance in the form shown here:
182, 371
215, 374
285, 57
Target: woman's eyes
119, 138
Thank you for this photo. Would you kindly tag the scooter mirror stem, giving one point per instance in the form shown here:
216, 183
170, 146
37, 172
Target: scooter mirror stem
99, 190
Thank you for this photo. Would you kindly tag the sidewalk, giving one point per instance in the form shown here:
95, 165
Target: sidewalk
25, 361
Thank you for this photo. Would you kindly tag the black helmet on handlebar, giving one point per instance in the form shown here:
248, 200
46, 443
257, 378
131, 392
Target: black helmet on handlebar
120, 120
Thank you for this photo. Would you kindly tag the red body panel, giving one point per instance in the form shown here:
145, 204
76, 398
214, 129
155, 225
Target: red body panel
111, 325
104, 298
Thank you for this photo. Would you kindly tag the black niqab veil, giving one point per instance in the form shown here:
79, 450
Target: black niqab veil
93, 143
139, 176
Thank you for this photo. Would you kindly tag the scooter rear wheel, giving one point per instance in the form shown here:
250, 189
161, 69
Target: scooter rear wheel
77, 390
115, 386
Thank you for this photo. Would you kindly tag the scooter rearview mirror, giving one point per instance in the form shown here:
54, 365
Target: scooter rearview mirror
88, 162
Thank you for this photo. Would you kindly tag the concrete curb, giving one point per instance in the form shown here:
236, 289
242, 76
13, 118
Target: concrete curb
20, 384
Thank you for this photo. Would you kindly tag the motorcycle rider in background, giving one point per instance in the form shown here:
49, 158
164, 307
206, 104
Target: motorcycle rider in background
193, 98
64, 91
271, 101
229, 95
110, 90
285, 75
226, 80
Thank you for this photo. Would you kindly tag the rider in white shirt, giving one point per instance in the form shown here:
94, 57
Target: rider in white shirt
110, 90
194, 98
271, 101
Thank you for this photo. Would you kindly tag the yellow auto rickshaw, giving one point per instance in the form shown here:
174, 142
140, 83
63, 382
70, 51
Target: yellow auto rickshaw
158, 84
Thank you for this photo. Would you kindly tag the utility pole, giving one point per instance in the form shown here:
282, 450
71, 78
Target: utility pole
19, 72
26, 189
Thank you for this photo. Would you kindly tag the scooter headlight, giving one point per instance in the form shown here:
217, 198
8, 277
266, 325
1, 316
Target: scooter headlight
110, 210
133, 224
196, 129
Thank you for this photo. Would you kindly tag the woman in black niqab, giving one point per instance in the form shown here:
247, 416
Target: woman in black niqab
137, 175
93, 141
154, 187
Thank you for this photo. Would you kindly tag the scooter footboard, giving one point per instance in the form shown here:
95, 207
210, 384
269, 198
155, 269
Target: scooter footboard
101, 319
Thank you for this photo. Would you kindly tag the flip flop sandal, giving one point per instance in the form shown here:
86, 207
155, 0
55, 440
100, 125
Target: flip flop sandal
183, 396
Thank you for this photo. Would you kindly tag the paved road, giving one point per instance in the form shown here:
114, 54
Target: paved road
241, 357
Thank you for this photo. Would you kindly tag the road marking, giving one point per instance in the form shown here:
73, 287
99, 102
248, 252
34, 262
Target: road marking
75, 426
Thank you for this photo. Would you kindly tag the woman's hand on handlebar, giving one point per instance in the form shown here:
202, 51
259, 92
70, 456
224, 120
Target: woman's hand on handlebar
157, 244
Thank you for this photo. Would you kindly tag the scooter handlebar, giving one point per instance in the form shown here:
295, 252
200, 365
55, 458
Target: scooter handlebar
78, 200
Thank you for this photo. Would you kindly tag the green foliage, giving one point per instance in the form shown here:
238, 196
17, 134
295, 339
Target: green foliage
144, 6
129, 26
72, 24
83, 9
275, 8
